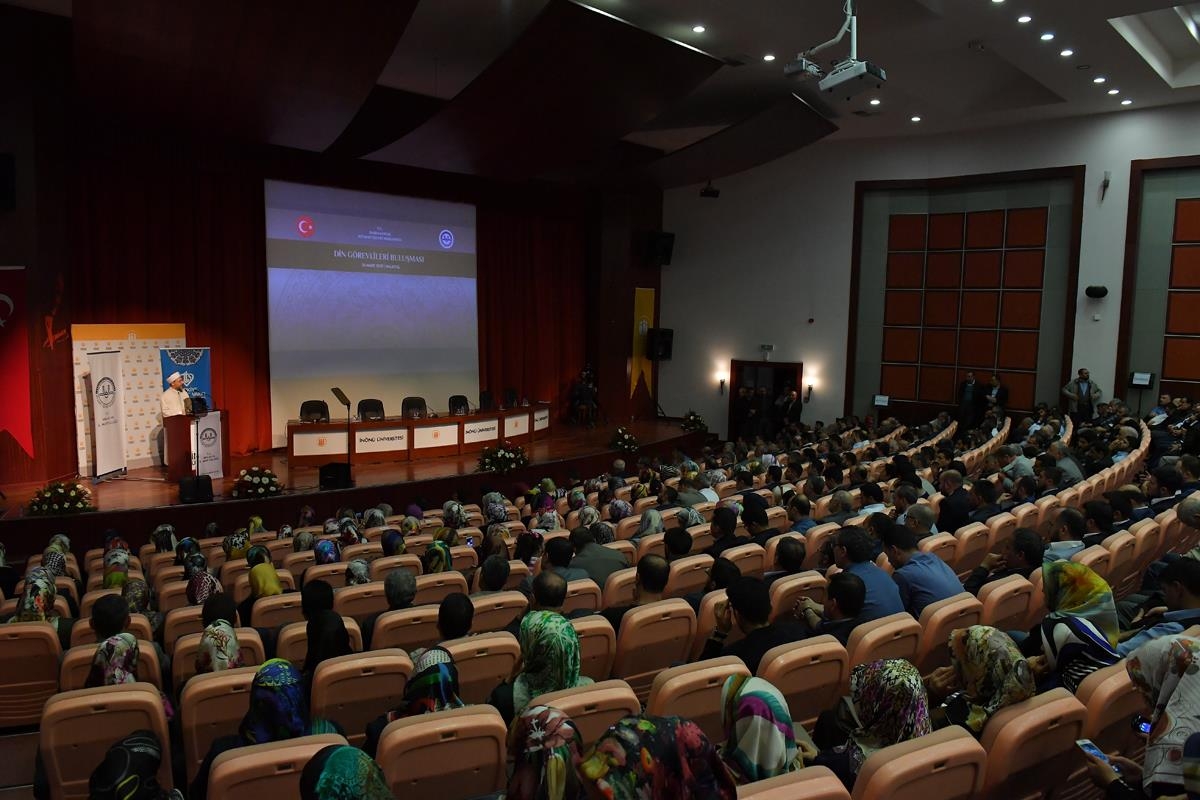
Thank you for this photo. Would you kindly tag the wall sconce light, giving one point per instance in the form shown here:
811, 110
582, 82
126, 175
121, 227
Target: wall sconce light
721, 377
808, 394
722, 389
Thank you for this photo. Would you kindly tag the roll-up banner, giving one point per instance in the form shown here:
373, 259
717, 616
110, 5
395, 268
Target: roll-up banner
107, 386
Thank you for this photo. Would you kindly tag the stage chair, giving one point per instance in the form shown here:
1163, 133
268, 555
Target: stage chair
582, 595
706, 621
1111, 701
459, 753
947, 764
333, 574
1031, 747
458, 405
597, 646
693, 691
750, 559
29, 656
619, 588
811, 783
893, 636
77, 728
595, 708
937, 621
407, 629
809, 673
413, 407
82, 631
1006, 602
183, 662
787, 590
266, 770
653, 637
241, 586
495, 611
370, 408
688, 574
352, 690
484, 662
380, 567
435, 587
77, 665
314, 411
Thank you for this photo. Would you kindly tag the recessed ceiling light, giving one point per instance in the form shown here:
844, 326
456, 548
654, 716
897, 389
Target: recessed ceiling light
875, 101
997, 1
916, 119
1114, 91
1024, 18
1047, 36
1067, 52
768, 57
1126, 102
697, 29
1099, 79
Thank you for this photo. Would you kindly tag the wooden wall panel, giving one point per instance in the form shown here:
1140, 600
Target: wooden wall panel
901, 344
1021, 310
943, 270
985, 230
1185, 267
902, 308
1183, 313
1181, 345
898, 381
906, 232
938, 384
904, 270
1026, 227
1187, 220
979, 309
981, 270
945, 231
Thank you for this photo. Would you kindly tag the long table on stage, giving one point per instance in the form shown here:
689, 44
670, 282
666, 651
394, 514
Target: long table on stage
407, 439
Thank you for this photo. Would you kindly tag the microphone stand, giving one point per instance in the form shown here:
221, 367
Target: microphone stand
344, 400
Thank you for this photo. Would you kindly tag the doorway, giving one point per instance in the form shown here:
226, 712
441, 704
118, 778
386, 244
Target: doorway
776, 377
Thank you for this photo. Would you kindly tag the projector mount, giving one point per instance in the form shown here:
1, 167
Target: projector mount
847, 77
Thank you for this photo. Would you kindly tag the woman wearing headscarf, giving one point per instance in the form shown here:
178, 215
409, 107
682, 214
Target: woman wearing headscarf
236, 544
986, 673
36, 604
348, 534
760, 742
495, 512
393, 543
529, 547
619, 510
650, 523
890, 706
494, 544
258, 554
327, 551
278, 712
544, 747
129, 771
410, 526
264, 582
219, 649
447, 535
454, 515
284, 532
549, 521
303, 542
136, 594
255, 525
115, 663
688, 516
201, 583
307, 515
187, 546
1079, 634
576, 499
116, 567
437, 558
9, 576
327, 638
374, 518
341, 772
358, 573
1166, 671
550, 662
163, 538
655, 758
588, 516
329, 527
433, 687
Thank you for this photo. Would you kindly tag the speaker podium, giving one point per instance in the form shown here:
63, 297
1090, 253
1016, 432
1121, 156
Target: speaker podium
181, 433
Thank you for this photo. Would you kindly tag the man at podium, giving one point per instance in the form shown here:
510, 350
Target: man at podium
175, 400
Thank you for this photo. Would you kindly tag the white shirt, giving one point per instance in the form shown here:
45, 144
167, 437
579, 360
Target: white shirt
172, 403
711, 495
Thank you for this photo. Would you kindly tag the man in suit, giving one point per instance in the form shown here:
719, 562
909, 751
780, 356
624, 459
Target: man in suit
792, 409
955, 509
1083, 395
559, 554
997, 396
723, 528
972, 400
594, 559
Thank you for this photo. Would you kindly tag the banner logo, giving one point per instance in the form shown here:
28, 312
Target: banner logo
106, 392
446, 239
305, 226
188, 378
208, 437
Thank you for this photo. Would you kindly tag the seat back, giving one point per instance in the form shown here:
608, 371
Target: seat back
179, 622
702, 537
808, 673
281, 609
359, 602
1111, 701
937, 621
942, 545
368, 551
292, 642
29, 655
597, 646
619, 588
82, 631
448, 754
972, 547
1147, 538
1047, 512
947, 764
787, 590
1121, 548
212, 705
314, 411
78, 727
1006, 602
893, 636
333, 574
582, 595
627, 527
351, 690
770, 558
483, 662
297, 563
1001, 528
495, 611
434, 588
266, 770
458, 405
653, 637
688, 575
1031, 746
596, 708
370, 408
90, 598
706, 622
653, 544
380, 567
693, 691
1097, 557
406, 629
77, 665
751, 559
814, 542
173, 595
183, 662
811, 783
463, 558
413, 407
231, 570
241, 584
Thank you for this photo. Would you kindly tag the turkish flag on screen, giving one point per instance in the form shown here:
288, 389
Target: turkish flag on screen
14, 358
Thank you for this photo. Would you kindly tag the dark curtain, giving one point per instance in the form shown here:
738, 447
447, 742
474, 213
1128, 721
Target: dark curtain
170, 237
531, 303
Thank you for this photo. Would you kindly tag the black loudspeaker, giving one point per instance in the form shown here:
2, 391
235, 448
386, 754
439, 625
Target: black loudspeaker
195, 490
336, 475
1096, 292
658, 343
8, 182
659, 247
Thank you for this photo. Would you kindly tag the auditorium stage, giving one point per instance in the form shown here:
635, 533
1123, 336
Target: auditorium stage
135, 504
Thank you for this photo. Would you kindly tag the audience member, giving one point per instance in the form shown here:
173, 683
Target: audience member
852, 552
549, 663
544, 748
652, 575
789, 560
724, 525
1066, 537
841, 612
341, 772
748, 606
219, 648
982, 497
920, 519
432, 687
1180, 582
955, 509
1079, 634
493, 574
678, 544
596, 560
759, 739
921, 577
799, 511
1021, 556
987, 673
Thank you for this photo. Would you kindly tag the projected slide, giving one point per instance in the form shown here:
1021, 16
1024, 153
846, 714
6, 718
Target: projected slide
373, 293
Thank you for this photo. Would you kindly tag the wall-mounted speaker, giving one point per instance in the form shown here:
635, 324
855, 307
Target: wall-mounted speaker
659, 342
660, 245
1096, 292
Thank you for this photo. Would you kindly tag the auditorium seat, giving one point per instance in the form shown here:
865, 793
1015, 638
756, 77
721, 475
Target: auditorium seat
693, 691
452, 754
597, 646
652, 638
706, 621
1121, 548
171, 574
1027, 516
773, 546
785, 591
292, 643
266, 770
814, 542
77, 665
183, 661
750, 559
937, 621
972, 547
368, 552
211, 706
483, 663
619, 588
78, 727
942, 545
809, 674
96, 579
582, 595
705, 510
653, 544
1097, 558
89, 600
1047, 512
280, 609
1147, 540
594, 708
893, 636
1006, 602
1001, 528
353, 690
407, 628
297, 563
463, 558
810, 783
435, 587
380, 567
627, 527
156, 562
1031, 747
645, 503
687, 575
29, 656
413, 407
496, 610
314, 411
82, 631
370, 408
333, 574
702, 537
1037, 604
359, 602
1111, 701
241, 585
948, 764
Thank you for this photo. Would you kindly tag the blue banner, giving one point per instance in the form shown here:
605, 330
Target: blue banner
195, 365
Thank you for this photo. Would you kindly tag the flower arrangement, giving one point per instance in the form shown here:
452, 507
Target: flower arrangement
694, 423
503, 458
624, 441
60, 498
256, 482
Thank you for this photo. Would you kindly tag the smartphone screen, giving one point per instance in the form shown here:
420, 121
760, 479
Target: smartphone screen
1141, 725
1089, 747
470, 541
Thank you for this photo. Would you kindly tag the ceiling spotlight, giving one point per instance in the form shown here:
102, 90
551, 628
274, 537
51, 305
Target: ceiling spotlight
875, 101
1126, 102
1099, 79
997, 1
1067, 52
916, 119
1047, 36
1114, 91
697, 29
1024, 18
768, 57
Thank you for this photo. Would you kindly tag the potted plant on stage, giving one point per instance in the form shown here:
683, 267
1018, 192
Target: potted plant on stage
694, 423
624, 441
503, 458
256, 483
57, 498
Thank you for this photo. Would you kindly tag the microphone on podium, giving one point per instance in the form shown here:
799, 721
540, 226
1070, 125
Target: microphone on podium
341, 396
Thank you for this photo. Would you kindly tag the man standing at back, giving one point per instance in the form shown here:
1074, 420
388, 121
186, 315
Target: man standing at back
1083, 395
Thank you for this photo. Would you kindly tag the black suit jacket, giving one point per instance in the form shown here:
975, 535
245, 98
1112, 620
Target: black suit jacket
955, 511
1001, 395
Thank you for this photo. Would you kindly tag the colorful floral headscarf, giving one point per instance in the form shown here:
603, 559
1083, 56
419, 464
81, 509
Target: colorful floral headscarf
549, 521
37, 599
218, 648
437, 557
327, 552
588, 516
278, 706
236, 544
330, 527
410, 524
358, 573
1166, 671
201, 587
348, 533
393, 543
577, 499
194, 563
550, 652
284, 532
455, 516
619, 510
163, 538
992, 673
891, 704
258, 555
116, 568
255, 525
760, 742
115, 662
544, 746
341, 772
374, 518
55, 563
1074, 589
60, 542
495, 512
656, 758
187, 546
433, 687
136, 594
689, 516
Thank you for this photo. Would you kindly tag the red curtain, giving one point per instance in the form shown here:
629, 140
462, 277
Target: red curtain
531, 302
162, 237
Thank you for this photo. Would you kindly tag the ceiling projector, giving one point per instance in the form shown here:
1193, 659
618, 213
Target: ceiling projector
851, 77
